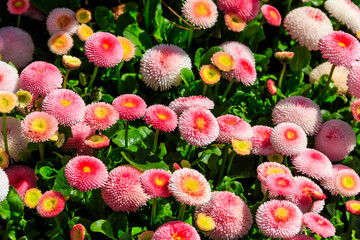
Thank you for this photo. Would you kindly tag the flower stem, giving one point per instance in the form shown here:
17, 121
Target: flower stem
228, 88
285, 161
351, 223
5, 134
232, 155
153, 213
223, 164
26, 111
146, 17
282, 75
311, 205
18, 20
261, 159
156, 140
126, 134
265, 197
42, 151
323, 93
191, 32
289, 5
66, 78
204, 89
182, 212
93, 78
189, 152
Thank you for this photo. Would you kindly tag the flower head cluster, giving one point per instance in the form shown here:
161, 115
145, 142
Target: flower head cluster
233, 127
201, 13
61, 19
161, 117
100, 115
50, 204
39, 126
22, 178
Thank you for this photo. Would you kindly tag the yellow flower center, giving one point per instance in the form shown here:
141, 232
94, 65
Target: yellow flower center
65, 103
162, 116
18, 4
235, 19
83, 15
226, 60
273, 14
39, 125
205, 223
96, 139
290, 134
341, 44
4, 102
175, 236
241, 147
129, 104
86, 169
281, 213
101, 112
59, 42
270, 171
49, 204
211, 74
282, 182
202, 9
348, 182
355, 206
191, 185
106, 46
200, 123
159, 182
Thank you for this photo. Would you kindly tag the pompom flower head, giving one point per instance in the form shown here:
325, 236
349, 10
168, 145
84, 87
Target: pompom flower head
83, 16
231, 215
279, 219
9, 77
103, 49
233, 127
22, 178
32, 197
313, 163
244, 72
271, 15
223, 61
86, 173
347, 183
60, 43
65, 105
307, 25
122, 191
246, 10
4, 185
189, 186
19, 46
80, 132
51, 204
198, 127
100, 115
268, 168
61, 19
260, 140
353, 206
160, 66
355, 109
201, 13
299, 110
161, 117
7, 101
129, 48
234, 22
84, 32
155, 183
18, 6
40, 78
176, 230
336, 139
288, 139
78, 232
97, 141
184, 103
209, 74
340, 48
353, 80
319, 225
39, 126
280, 184
129, 106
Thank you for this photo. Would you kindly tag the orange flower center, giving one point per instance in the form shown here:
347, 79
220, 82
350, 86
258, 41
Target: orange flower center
273, 14
162, 116
290, 134
283, 182
202, 9
18, 4
175, 236
106, 46
281, 214
63, 21
200, 123
159, 181
348, 182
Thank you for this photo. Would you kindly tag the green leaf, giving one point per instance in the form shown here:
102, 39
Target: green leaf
119, 223
301, 58
104, 18
147, 165
128, 83
197, 58
187, 75
138, 36
132, 8
5, 212
15, 202
95, 204
134, 139
61, 184
104, 227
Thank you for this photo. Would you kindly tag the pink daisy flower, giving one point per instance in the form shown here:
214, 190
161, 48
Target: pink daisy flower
65, 105
4, 185
234, 22
60, 43
279, 219
86, 173
307, 25
340, 48
201, 13
18, 46
244, 72
268, 168
22, 178
9, 78
329, 182
198, 127
347, 183
97, 141
160, 66
155, 183
336, 139
230, 213
223, 61
302, 196
40, 78
189, 187
260, 141
122, 191
100, 115
18, 7
299, 110
79, 132
313, 163
51, 204
182, 104
319, 225
233, 127
288, 139
103, 49
280, 184
39, 126
355, 109
129, 106
161, 117
238, 50
246, 10
78, 232
353, 80
61, 19
271, 86
352, 206
176, 230
271, 15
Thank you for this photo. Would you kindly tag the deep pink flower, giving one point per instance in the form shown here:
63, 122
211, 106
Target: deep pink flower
319, 225
18, 7
22, 178
353, 206
176, 230
129, 106
271, 15
244, 72
100, 115
260, 141
233, 127
161, 117
97, 141
280, 184
50, 204
78, 232
246, 10
155, 183
39, 126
